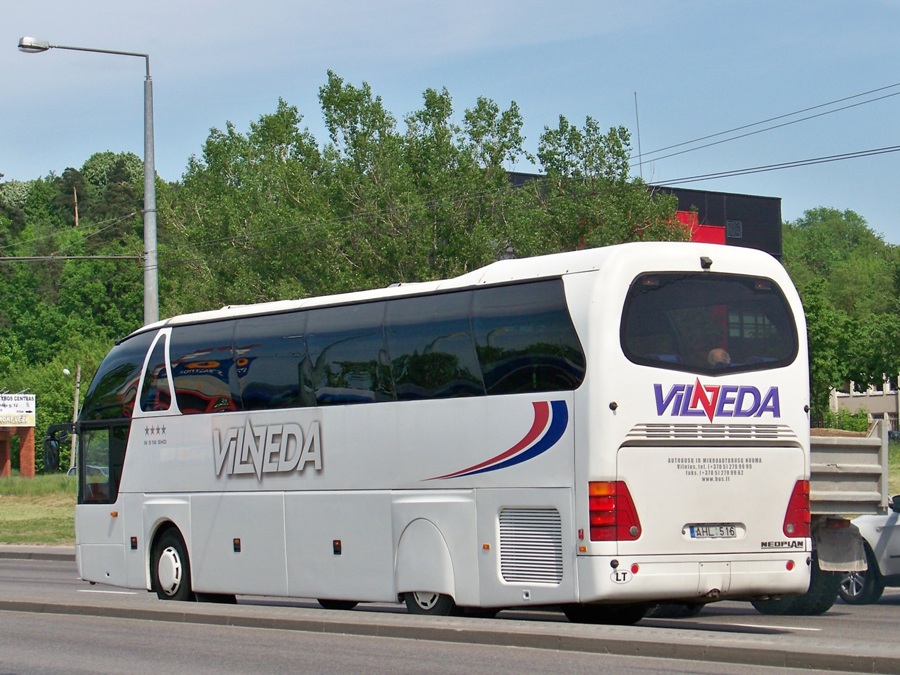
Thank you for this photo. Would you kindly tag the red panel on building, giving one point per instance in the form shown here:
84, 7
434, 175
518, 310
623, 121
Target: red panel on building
705, 234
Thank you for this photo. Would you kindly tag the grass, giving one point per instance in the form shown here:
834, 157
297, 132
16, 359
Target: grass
41, 511
894, 471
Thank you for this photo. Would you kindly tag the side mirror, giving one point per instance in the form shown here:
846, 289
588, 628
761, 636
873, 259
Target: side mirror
51, 455
56, 434
895, 504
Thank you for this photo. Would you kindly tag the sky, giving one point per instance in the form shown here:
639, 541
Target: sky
734, 74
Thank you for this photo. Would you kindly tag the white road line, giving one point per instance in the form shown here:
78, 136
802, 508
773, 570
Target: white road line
88, 590
756, 625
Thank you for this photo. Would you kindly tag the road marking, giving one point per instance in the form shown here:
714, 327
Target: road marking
88, 590
757, 625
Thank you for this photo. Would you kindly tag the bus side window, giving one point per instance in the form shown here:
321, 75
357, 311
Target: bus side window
345, 346
203, 368
155, 394
431, 347
268, 353
525, 339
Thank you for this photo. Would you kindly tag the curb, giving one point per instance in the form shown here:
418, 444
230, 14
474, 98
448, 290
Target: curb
66, 553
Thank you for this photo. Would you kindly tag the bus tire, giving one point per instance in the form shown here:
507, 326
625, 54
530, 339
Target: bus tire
171, 568
610, 615
337, 604
776, 606
217, 598
822, 593
675, 610
433, 604
818, 599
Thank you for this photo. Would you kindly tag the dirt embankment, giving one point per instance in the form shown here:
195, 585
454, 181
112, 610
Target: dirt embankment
836, 432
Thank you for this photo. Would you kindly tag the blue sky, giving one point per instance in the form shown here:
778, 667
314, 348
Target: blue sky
684, 69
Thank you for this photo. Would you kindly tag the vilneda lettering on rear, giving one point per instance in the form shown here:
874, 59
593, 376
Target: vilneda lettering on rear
715, 400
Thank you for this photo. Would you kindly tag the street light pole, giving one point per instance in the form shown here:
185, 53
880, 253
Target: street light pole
75, 401
31, 45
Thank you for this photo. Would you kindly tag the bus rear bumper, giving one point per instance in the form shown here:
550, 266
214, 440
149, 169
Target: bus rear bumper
636, 579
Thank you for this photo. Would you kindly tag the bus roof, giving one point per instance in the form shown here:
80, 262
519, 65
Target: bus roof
648, 255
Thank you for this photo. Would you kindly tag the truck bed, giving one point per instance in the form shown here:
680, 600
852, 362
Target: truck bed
849, 473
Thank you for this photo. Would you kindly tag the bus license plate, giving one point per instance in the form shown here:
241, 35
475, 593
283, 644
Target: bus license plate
713, 532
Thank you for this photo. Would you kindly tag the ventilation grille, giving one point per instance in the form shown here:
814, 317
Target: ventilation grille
712, 432
531, 546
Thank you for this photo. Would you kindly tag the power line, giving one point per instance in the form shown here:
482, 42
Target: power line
771, 119
778, 167
50, 258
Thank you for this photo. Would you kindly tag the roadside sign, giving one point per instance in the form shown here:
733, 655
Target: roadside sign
17, 410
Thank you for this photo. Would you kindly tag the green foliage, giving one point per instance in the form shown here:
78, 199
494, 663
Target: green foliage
14, 193
857, 266
846, 420
58, 313
269, 214
847, 277
588, 199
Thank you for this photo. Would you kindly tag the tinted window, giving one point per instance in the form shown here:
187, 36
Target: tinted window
525, 339
269, 353
101, 457
708, 323
113, 390
203, 368
155, 393
348, 361
431, 347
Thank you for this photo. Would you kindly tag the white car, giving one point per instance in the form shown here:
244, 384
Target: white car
881, 534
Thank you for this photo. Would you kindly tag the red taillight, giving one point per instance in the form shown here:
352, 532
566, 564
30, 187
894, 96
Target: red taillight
611, 512
796, 520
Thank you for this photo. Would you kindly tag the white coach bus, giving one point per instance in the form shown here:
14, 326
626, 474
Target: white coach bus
598, 430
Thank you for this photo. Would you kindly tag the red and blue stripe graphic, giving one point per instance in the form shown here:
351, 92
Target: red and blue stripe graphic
551, 418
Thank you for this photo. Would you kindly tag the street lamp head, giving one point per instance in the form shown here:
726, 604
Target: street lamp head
31, 45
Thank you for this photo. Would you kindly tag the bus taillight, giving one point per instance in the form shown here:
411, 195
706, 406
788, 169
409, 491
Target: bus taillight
611, 511
796, 520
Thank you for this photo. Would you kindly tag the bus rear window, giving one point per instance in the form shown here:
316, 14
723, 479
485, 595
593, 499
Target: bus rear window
707, 323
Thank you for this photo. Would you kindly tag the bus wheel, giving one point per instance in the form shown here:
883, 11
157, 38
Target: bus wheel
171, 571
611, 615
217, 598
785, 606
675, 610
338, 604
435, 604
818, 599
822, 593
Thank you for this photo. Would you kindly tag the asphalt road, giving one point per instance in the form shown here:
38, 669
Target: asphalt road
724, 637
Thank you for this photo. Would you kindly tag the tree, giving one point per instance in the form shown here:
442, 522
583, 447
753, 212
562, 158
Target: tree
859, 269
848, 279
269, 214
830, 334
588, 198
